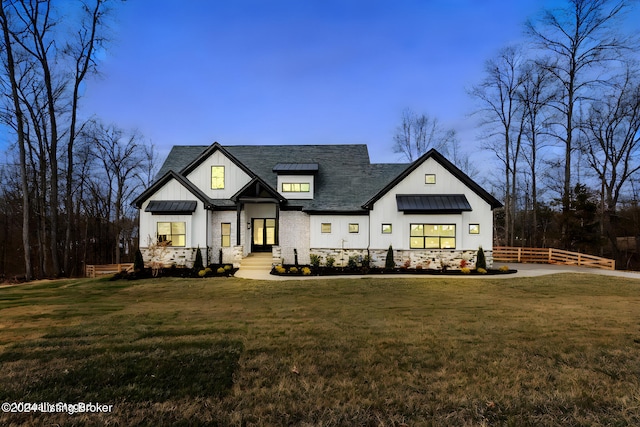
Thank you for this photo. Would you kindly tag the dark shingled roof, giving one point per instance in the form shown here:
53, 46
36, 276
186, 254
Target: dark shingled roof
345, 180
432, 203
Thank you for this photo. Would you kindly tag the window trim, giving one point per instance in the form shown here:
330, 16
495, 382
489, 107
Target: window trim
223, 177
354, 227
440, 237
171, 238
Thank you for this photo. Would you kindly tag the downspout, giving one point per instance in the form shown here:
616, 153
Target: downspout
207, 210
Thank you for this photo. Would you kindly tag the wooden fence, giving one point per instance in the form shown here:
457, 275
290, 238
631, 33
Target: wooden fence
106, 269
551, 256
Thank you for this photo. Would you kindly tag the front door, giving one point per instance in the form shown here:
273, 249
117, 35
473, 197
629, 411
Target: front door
264, 234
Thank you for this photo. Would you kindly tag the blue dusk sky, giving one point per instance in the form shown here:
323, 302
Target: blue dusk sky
298, 71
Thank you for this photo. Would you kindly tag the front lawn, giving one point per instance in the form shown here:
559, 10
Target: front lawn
560, 350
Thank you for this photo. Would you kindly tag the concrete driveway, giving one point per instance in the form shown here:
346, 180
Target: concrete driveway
524, 270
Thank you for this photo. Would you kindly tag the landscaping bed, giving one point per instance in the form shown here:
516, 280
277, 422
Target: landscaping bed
306, 270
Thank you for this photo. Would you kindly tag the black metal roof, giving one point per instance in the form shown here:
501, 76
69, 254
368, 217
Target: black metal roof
432, 203
160, 207
295, 168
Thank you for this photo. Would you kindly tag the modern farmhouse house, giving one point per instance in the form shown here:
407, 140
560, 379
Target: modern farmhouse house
328, 200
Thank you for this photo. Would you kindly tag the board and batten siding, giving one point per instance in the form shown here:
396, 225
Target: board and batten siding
339, 237
195, 223
234, 177
385, 211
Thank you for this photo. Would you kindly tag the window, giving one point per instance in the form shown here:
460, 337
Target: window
226, 234
217, 177
386, 228
325, 227
173, 233
474, 228
430, 178
354, 228
296, 187
433, 236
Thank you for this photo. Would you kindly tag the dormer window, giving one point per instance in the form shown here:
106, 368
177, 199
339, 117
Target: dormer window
296, 180
296, 187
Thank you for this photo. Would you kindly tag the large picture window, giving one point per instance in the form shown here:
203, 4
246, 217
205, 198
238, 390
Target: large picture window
433, 236
217, 177
172, 233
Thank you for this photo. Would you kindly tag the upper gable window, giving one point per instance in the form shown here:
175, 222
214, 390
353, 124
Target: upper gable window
217, 177
430, 178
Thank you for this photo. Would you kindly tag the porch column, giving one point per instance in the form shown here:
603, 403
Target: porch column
238, 229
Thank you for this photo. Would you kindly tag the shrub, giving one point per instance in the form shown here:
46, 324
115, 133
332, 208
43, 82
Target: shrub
366, 261
220, 270
306, 271
481, 262
407, 264
465, 270
481, 271
504, 268
353, 262
293, 270
418, 266
315, 260
228, 267
280, 269
330, 261
138, 261
463, 263
389, 263
198, 264
202, 272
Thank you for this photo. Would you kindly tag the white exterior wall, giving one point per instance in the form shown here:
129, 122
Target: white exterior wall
385, 210
195, 223
296, 179
234, 177
339, 238
294, 234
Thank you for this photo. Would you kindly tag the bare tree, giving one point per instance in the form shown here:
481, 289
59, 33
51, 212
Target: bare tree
535, 95
11, 71
581, 39
122, 156
53, 65
419, 133
502, 117
612, 131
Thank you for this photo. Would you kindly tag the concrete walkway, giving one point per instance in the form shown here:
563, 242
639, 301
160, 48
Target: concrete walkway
524, 270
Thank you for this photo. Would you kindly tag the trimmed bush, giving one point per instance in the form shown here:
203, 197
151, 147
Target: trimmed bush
481, 262
198, 264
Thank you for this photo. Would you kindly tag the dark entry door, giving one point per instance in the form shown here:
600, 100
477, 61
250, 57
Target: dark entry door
264, 234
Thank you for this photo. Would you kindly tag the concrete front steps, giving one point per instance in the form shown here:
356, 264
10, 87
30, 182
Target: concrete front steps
256, 265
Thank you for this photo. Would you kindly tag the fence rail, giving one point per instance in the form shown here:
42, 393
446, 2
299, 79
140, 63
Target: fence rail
551, 256
106, 269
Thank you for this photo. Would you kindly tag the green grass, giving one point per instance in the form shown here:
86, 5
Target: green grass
559, 350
